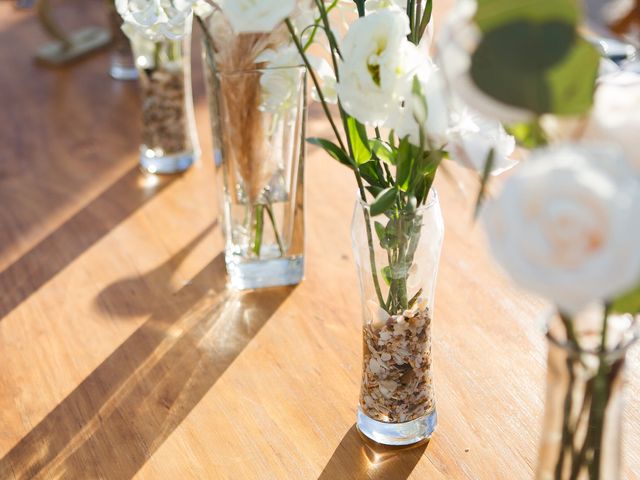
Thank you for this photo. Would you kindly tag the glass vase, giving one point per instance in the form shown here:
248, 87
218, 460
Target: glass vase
397, 257
169, 140
582, 431
258, 119
122, 65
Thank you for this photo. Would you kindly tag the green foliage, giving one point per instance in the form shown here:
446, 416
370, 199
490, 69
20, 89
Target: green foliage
628, 303
333, 150
529, 135
486, 173
384, 201
359, 141
531, 56
495, 13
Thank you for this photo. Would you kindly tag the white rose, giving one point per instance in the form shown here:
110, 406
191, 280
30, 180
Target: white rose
371, 69
327, 78
408, 117
615, 117
256, 16
566, 225
472, 136
156, 19
280, 83
456, 43
375, 5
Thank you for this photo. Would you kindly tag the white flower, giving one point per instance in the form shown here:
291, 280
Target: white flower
157, 19
279, 81
615, 117
456, 43
327, 78
472, 136
371, 70
256, 16
566, 225
408, 115
375, 5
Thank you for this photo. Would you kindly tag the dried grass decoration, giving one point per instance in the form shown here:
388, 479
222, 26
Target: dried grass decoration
241, 127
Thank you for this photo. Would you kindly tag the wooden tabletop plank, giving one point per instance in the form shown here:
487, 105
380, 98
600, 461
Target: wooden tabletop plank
122, 353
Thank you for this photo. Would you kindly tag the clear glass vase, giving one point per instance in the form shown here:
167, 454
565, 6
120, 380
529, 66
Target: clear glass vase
258, 119
582, 431
397, 256
122, 65
169, 140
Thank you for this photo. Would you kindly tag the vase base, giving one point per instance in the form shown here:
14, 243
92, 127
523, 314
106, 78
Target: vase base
276, 272
123, 72
406, 433
168, 164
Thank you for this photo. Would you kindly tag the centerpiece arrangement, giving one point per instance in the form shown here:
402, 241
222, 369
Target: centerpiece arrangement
564, 224
160, 38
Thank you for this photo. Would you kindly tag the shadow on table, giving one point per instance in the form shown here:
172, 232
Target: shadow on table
51, 255
127, 407
139, 295
358, 458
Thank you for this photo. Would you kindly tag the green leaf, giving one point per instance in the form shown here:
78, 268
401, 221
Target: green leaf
386, 275
405, 164
529, 135
540, 67
382, 151
359, 141
372, 172
491, 14
380, 231
333, 150
627, 303
384, 201
486, 174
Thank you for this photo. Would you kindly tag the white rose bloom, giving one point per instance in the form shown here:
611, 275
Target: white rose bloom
472, 136
327, 78
157, 19
456, 43
566, 225
256, 16
615, 117
371, 70
280, 85
408, 115
375, 5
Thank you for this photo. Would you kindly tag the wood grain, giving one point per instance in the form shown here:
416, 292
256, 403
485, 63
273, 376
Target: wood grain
122, 353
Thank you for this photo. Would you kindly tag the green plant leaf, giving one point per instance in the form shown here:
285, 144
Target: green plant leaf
405, 164
382, 151
484, 181
383, 201
359, 141
529, 135
386, 275
495, 13
333, 150
380, 231
627, 303
374, 175
540, 67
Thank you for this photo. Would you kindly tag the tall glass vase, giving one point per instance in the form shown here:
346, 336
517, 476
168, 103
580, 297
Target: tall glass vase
169, 140
582, 432
258, 118
397, 256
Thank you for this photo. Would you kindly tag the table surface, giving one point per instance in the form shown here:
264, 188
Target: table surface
123, 354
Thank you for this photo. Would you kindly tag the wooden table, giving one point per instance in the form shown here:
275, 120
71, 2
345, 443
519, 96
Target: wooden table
122, 354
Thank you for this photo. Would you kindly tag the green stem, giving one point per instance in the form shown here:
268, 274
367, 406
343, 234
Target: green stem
316, 83
269, 208
258, 229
